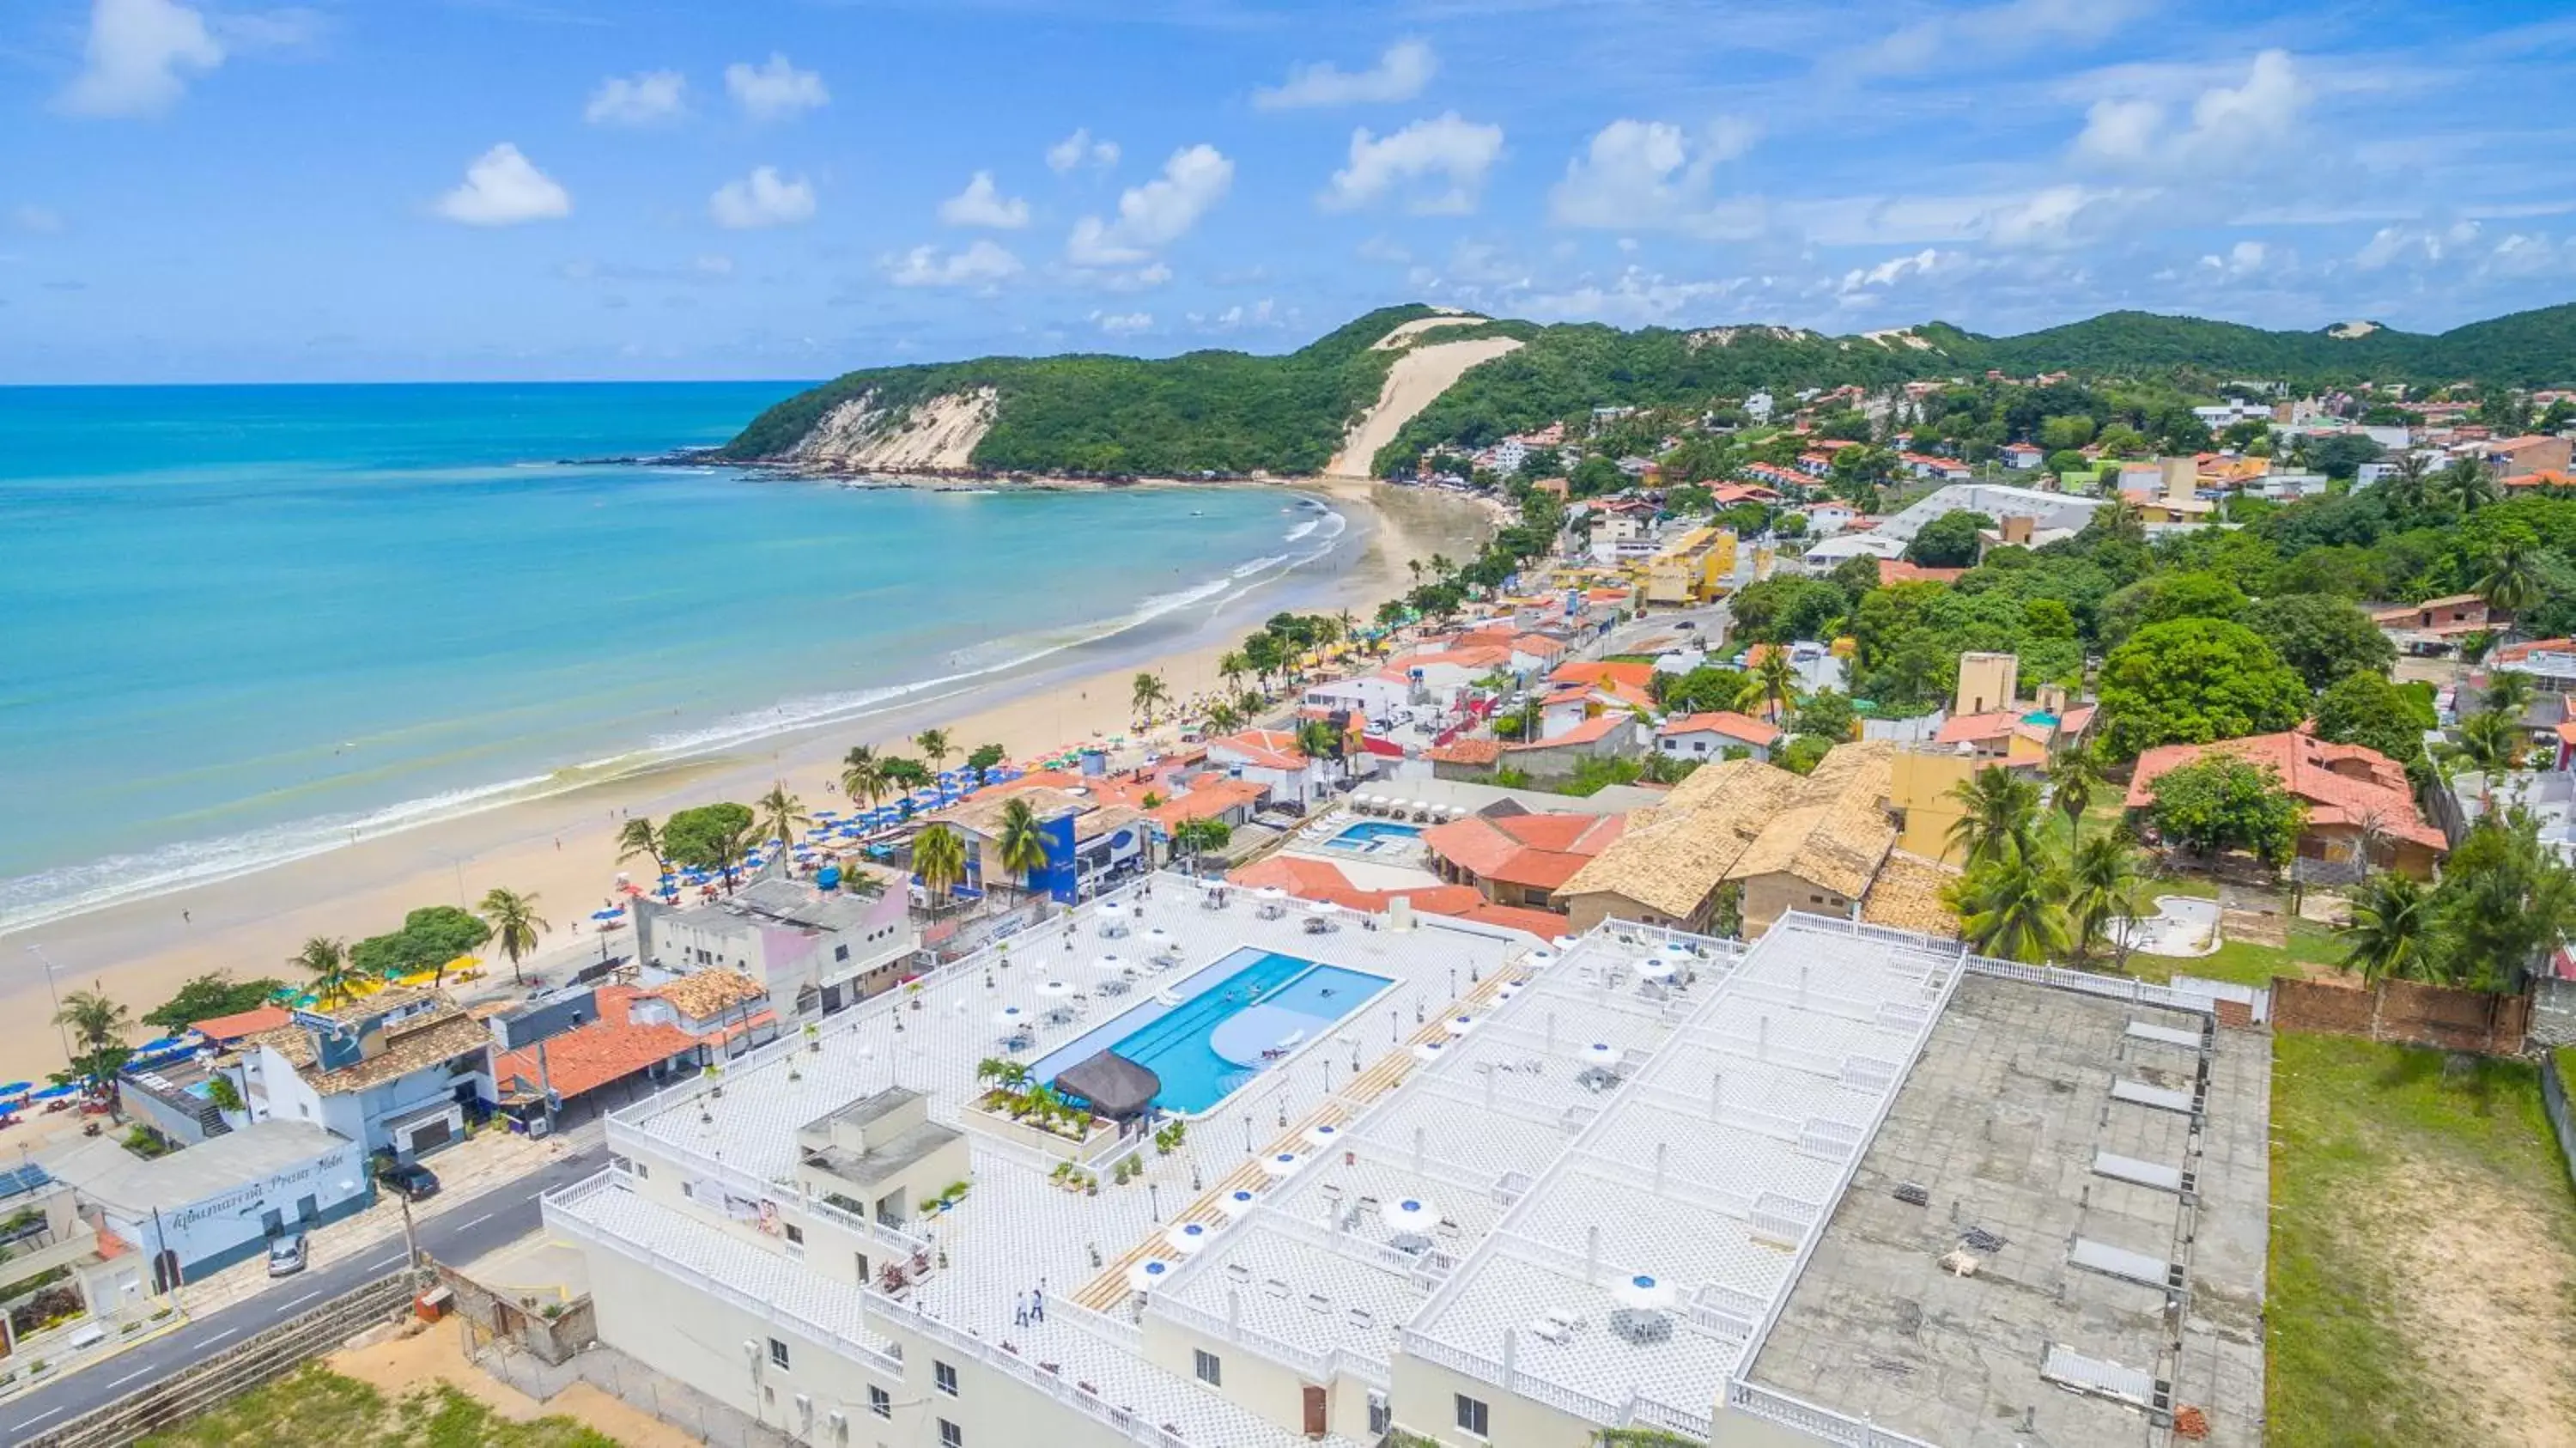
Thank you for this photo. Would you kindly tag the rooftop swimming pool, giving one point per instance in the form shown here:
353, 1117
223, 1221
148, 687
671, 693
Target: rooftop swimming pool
1232, 1019
1368, 835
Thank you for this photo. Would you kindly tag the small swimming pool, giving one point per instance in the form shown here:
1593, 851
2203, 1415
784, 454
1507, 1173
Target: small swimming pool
1250, 1003
1365, 835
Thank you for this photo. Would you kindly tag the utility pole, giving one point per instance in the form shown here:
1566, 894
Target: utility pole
411, 1240
56, 992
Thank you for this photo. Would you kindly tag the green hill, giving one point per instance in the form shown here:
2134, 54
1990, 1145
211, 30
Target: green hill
1233, 412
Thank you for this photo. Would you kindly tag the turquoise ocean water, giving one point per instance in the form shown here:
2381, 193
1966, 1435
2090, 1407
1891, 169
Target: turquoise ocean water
240, 625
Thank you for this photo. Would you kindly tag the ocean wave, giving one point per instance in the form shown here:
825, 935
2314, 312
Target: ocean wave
50, 896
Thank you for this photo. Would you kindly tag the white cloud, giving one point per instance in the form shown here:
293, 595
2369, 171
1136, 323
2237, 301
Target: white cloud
1458, 152
1263, 313
2527, 254
980, 265
2231, 128
504, 188
139, 52
1997, 32
2420, 245
1400, 74
1123, 324
981, 204
2243, 259
642, 99
763, 198
35, 220
1651, 174
1155, 214
776, 90
1636, 297
1079, 150
1897, 268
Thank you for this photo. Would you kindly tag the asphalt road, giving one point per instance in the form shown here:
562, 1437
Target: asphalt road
458, 1234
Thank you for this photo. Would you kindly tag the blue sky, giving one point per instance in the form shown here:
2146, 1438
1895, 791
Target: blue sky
193, 190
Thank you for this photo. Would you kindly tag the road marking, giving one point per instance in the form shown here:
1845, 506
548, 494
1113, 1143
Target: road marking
478, 1221
40, 1417
388, 1262
218, 1337
129, 1377
307, 1297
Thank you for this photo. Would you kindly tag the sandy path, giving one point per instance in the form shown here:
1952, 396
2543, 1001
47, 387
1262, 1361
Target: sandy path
1420, 325
563, 848
1414, 381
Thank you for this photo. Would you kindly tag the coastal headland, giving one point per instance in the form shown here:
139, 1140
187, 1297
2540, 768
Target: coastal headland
561, 847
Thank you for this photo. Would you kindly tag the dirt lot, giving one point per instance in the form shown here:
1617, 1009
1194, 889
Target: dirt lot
2423, 1252
415, 1359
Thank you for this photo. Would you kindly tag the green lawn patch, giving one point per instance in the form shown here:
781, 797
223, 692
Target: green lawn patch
316, 1408
2423, 1251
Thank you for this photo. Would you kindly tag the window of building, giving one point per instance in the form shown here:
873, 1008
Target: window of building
950, 1435
1471, 1415
796, 1234
880, 1402
778, 1352
943, 1377
840, 952
1211, 1369
864, 1278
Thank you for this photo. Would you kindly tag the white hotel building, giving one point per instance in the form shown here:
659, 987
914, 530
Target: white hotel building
1518, 1194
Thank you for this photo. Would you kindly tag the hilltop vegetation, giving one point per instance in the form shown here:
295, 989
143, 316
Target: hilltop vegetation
1088, 413
1234, 412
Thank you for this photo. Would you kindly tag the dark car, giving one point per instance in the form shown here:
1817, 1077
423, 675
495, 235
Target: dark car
412, 1180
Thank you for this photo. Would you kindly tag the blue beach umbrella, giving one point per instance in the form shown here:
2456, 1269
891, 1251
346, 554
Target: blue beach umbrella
17, 1088
166, 1043
606, 914
51, 1092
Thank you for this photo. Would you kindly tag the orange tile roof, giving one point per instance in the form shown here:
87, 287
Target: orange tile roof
1595, 672
243, 1023
1536, 851
2380, 798
1727, 722
1590, 730
591, 1056
1893, 571
1206, 800
1467, 751
1263, 748
2547, 478
1319, 880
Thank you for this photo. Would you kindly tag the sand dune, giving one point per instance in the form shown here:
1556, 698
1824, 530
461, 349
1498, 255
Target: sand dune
1420, 325
940, 433
1412, 383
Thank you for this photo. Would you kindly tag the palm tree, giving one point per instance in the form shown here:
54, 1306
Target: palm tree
2008, 908
1195, 837
2072, 779
638, 836
934, 745
1416, 565
325, 962
1018, 845
939, 858
779, 814
1231, 666
98, 1026
864, 779
515, 924
1002, 1074
2467, 484
732, 848
1349, 627
1772, 687
1999, 812
2510, 578
1148, 694
2507, 692
2390, 934
1442, 568
2491, 742
1223, 717
1318, 739
2105, 887
2406, 481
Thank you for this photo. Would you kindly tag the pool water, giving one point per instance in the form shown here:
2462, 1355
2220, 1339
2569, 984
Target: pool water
1213, 1042
1369, 834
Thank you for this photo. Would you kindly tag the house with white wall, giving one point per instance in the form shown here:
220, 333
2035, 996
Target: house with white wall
395, 1071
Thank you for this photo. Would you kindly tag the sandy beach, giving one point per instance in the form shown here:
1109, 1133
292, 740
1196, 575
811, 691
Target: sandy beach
563, 849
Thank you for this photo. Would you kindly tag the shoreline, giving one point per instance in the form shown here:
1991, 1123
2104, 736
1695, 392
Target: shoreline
560, 845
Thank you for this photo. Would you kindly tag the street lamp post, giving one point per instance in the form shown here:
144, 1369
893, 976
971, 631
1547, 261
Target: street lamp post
56, 992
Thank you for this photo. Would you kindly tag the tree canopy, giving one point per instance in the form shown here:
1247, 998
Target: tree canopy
2323, 638
207, 996
2192, 681
1949, 541
2220, 802
430, 937
708, 837
2368, 710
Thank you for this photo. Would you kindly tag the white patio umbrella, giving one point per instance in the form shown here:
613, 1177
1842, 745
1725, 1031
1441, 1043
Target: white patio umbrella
1323, 907
1237, 1203
1323, 1133
1601, 1053
1283, 1163
1113, 909
1147, 1275
1010, 1016
1158, 938
1656, 967
1187, 1237
1539, 959
1564, 942
1413, 1214
1644, 1293
1510, 989
1109, 964
1429, 1050
1271, 892
1056, 989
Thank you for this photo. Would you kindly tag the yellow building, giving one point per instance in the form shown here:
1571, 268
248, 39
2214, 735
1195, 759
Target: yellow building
1695, 567
1919, 788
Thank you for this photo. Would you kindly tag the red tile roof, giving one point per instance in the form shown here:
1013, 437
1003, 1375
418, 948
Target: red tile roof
1468, 751
1535, 851
1598, 727
1727, 722
1318, 880
1596, 672
591, 1056
1892, 571
1206, 800
244, 1023
1262, 748
2343, 784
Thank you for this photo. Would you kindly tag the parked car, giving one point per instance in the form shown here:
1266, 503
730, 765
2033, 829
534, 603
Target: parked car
412, 1180
286, 1255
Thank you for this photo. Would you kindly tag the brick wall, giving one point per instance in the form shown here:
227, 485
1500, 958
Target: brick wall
2404, 1011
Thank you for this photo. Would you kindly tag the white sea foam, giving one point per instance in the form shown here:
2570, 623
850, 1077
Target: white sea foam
49, 896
